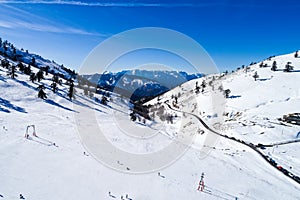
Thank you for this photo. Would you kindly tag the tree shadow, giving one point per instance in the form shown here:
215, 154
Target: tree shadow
108, 106
264, 79
4, 110
234, 96
2, 79
7, 104
62, 95
49, 101
25, 84
282, 70
87, 106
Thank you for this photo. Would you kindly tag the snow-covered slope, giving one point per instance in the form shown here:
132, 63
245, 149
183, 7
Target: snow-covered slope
251, 112
8, 50
261, 103
39, 169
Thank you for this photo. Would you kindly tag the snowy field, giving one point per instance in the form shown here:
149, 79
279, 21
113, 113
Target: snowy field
39, 169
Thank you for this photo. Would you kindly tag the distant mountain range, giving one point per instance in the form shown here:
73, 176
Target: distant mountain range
140, 84
134, 84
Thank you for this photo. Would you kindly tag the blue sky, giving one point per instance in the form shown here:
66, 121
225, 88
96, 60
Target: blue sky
232, 32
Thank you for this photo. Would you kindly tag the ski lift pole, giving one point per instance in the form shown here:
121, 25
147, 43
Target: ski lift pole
33, 133
201, 183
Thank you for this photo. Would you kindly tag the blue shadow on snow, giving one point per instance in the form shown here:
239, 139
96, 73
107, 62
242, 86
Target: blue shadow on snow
7, 104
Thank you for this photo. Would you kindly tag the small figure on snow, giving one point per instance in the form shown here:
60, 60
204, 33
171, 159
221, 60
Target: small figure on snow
160, 175
110, 195
22, 197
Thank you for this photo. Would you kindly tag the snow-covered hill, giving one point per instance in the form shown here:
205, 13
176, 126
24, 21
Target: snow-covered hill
39, 169
8, 50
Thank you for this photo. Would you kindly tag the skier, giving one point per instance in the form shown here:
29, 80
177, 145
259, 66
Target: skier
110, 195
159, 174
22, 197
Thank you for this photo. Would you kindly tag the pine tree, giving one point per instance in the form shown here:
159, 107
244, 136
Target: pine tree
197, 89
12, 72
32, 77
5, 63
133, 117
91, 94
27, 70
54, 87
255, 76
274, 66
56, 79
69, 81
20, 66
203, 85
40, 75
33, 62
104, 100
226, 93
71, 91
41, 93
288, 67
261, 64
47, 68
220, 88
85, 91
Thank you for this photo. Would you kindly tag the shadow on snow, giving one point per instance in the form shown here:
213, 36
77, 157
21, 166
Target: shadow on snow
7, 104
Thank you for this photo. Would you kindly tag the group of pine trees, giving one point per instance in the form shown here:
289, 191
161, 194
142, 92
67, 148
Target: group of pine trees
288, 67
10, 52
202, 87
12, 69
159, 111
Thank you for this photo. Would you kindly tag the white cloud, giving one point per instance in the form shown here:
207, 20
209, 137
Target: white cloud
107, 4
13, 18
5, 24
